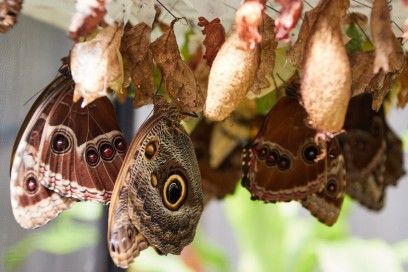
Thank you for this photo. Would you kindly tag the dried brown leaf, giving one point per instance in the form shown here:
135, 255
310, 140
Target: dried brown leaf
247, 19
267, 60
326, 75
288, 18
295, 53
138, 63
403, 88
177, 76
380, 93
362, 64
87, 17
95, 65
383, 38
356, 18
214, 37
364, 79
232, 74
9, 9
201, 70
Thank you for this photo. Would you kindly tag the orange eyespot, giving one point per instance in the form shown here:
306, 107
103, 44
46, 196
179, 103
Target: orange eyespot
174, 191
150, 150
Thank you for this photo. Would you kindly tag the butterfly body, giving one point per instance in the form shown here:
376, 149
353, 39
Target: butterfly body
50, 165
158, 199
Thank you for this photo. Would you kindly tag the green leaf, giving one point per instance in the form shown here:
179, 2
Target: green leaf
356, 39
86, 211
184, 50
14, 256
251, 221
62, 236
405, 140
67, 236
265, 103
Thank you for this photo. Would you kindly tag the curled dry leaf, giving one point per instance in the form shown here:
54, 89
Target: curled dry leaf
214, 37
87, 17
383, 38
403, 88
267, 60
365, 80
247, 19
9, 9
362, 72
95, 65
200, 69
138, 63
176, 75
295, 53
288, 18
232, 74
355, 18
326, 75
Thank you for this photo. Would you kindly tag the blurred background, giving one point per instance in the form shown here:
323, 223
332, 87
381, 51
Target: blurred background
234, 234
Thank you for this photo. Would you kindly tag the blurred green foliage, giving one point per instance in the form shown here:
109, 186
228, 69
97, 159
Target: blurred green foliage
68, 233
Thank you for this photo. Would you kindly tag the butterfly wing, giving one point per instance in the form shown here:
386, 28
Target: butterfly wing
364, 147
282, 163
35, 193
82, 149
394, 165
33, 204
326, 204
158, 198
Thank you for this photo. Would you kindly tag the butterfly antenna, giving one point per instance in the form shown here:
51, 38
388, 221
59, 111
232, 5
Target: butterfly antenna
189, 114
272, 8
168, 10
361, 3
31, 98
231, 7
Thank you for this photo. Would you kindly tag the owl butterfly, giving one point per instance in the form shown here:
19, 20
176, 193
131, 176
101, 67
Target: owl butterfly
284, 163
373, 153
157, 199
64, 153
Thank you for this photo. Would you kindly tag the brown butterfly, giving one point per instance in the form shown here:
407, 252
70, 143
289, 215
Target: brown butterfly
373, 153
284, 163
64, 153
157, 199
